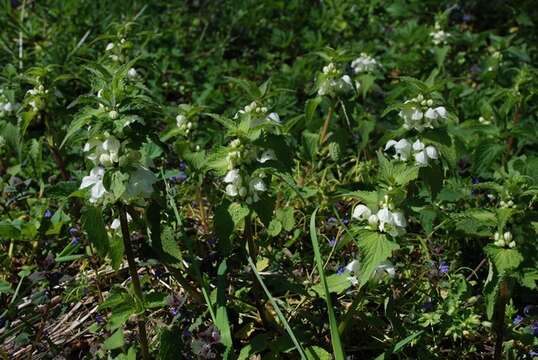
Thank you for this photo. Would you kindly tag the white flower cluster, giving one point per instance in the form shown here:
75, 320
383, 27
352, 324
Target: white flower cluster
482, 120
6, 106
421, 114
332, 83
503, 240
385, 220
184, 124
403, 150
103, 154
116, 223
259, 114
439, 37
111, 46
36, 93
237, 187
364, 63
383, 270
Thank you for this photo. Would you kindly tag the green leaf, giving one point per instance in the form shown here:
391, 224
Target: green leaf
317, 353
5, 287
432, 175
170, 246
170, 344
264, 208
503, 259
374, 249
336, 283
116, 251
238, 212
92, 220
274, 228
221, 313
311, 106
286, 218
115, 341
338, 349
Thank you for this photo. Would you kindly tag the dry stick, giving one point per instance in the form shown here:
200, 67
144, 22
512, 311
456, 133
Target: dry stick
59, 161
203, 216
500, 317
323, 133
134, 277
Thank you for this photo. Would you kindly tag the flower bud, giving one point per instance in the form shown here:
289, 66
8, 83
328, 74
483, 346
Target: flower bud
373, 220
496, 236
507, 236
512, 244
113, 114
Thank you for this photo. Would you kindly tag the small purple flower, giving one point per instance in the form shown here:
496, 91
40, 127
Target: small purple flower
48, 214
173, 311
186, 333
443, 267
467, 17
73, 231
331, 220
75, 240
345, 221
428, 306
182, 165
528, 309
475, 181
332, 241
340, 270
99, 319
179, 178
517, 320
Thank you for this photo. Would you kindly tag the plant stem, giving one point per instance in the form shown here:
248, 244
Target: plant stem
349, 314
500, 317
134, 277
323, 134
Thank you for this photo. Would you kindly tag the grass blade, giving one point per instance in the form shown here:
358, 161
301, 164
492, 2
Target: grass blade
278, 312
335, 336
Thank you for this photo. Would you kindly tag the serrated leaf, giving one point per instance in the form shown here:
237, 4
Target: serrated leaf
503, 259
92, 220
337, 283
374, 249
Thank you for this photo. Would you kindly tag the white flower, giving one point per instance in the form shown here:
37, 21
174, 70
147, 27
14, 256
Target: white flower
423, 156
95, 181
402, 148
232, 177
181, 120
267, 155
421, 159
354, 266
364, 63
373, 220
347, 80
231, 190
399, 219
386, 268
109, 46
431, 152
105, 153
439, 37
393, 223
385, 218
274, 117
507, 236
8, 107
257, 185
441, 112
418, 145
113, 114
361, 212
116, 223
132, 73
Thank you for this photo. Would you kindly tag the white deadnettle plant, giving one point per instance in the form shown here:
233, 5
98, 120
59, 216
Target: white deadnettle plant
504, 240
331, 82
420, 114
403, 149
364, 63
